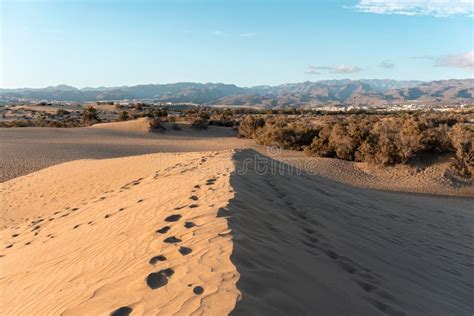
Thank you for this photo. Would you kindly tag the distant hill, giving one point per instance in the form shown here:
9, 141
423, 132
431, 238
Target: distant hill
305, 94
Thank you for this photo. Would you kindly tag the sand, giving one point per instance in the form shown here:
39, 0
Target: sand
432, 176
140, 125
305, 245
86, 237
26, 150
241, 233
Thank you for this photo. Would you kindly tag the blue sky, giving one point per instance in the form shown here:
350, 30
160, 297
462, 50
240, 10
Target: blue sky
113, 43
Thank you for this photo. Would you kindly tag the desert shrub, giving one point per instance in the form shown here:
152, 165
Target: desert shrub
279, 133
250, 125
199, 119
62, 112
320, 145
124, 116
199, 123
90, 115
409, 142
42, 123
383, 148
222, 118
462, 136
156, 125
436, 139
159, 112
341, 143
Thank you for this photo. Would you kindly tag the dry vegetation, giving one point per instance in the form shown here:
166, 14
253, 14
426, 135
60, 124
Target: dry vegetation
381, 139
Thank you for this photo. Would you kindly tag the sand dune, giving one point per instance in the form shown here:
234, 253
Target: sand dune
141, 233
227, 232
26, 150
140, 125
433, 177
305, 245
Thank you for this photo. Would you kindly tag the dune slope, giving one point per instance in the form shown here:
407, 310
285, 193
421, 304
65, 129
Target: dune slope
137, 233
305, 245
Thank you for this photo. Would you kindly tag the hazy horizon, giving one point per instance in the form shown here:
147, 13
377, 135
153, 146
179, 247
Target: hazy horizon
225, 83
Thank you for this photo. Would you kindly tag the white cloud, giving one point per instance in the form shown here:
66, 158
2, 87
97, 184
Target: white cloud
340, 69
386, 64
426, 57
464, 61
438, 8
345, 69
312, 70
322, 67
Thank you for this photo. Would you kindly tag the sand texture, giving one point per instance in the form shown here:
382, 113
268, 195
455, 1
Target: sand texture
228, 232
305, 245
91, 236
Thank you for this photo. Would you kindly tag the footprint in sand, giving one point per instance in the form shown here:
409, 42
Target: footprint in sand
173, 218
172, 240
122, 311
210, 182
185, 251
331, 254
163, 230
107, 216
368, 287
193, 206
189, 224
156, 259
158, 279
9, 246
198, 290
193, 197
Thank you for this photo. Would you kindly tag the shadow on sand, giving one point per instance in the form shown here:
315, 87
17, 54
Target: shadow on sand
305, 245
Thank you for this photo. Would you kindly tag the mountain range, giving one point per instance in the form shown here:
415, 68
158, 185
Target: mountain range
370, 92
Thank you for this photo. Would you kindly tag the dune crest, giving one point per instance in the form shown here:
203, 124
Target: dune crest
137, 234
140, 125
